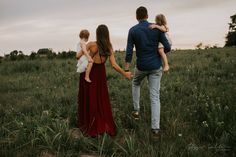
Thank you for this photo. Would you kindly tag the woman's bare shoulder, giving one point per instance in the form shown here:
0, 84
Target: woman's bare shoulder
92, 43
92, 47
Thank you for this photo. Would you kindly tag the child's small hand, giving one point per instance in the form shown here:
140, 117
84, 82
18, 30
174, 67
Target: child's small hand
90, 60
152, 26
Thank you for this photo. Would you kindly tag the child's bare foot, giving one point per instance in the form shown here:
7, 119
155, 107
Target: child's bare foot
87, 79
166, 68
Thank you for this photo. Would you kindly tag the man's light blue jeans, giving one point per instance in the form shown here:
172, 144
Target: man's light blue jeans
154, 82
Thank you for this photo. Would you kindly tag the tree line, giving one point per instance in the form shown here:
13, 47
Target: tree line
41, 53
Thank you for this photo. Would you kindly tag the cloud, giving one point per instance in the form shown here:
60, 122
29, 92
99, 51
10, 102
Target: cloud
30, 24
191, 5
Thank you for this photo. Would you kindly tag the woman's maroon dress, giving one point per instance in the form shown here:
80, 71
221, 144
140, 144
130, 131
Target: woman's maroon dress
94, 107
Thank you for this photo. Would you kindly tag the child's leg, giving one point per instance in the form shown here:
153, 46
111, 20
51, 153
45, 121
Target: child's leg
164, 58
87, 72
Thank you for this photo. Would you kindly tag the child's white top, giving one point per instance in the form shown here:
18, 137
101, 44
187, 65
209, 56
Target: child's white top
83, 61
78, 46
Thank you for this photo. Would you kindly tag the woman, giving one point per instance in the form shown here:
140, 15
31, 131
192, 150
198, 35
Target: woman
94, 107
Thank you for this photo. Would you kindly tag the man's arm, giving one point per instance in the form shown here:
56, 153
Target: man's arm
129, 50
118, 68
164, 42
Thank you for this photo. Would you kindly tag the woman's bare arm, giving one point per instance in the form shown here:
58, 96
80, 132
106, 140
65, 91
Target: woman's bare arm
115, 66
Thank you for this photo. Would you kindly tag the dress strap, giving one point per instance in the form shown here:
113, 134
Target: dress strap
99, 56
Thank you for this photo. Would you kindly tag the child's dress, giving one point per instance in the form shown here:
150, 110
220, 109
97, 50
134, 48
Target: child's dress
82, 62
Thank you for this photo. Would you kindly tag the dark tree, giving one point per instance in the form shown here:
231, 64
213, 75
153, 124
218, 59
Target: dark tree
1, 59
33, 55
231, 36
71, 54
44, 51
13, 55
51, 55
199, 46
65, 54
20, 55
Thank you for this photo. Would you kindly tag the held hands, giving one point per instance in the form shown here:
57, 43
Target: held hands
128, 75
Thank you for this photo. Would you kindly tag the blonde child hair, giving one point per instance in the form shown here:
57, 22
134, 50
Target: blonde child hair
161, 21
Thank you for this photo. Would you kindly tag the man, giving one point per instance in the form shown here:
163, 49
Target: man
148, 64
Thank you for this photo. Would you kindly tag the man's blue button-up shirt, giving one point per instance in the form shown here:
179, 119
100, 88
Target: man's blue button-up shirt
146, 42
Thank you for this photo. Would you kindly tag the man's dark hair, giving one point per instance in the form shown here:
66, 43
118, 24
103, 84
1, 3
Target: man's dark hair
141, 13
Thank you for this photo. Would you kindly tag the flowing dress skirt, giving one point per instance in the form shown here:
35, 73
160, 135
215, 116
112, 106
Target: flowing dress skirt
94, 107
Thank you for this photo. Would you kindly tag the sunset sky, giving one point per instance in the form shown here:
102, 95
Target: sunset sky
28, 25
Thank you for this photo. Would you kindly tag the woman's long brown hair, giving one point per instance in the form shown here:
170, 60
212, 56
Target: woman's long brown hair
103, 40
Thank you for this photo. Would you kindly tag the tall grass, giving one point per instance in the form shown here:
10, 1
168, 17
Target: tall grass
38, 105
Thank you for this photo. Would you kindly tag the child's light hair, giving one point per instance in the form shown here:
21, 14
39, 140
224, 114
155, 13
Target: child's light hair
161, 20
84, 34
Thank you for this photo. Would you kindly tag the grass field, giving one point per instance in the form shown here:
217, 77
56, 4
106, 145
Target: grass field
198, 109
